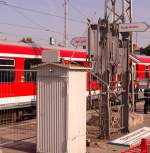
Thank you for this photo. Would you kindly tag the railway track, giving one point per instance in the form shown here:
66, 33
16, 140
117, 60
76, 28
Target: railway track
16, 115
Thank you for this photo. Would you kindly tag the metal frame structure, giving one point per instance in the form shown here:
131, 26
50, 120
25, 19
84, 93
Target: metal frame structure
110, 55
118, 11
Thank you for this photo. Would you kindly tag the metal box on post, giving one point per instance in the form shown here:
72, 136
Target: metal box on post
61, 109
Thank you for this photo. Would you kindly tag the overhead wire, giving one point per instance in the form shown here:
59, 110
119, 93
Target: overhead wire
33, 22
33, 28
28, 18
30, 27
37, 39
78, 10
21, 35
2, 2
145, 37
85, 16
24, 26
15, 7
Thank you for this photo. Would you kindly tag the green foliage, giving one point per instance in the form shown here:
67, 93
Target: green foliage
27, 40
146, 50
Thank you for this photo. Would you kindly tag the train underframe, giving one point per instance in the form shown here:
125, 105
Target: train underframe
16, 113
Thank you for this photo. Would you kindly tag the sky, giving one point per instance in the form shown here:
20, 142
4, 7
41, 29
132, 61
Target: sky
41, 26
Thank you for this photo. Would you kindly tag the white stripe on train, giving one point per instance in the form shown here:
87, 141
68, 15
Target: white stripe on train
37, 56
20, 100
17, 100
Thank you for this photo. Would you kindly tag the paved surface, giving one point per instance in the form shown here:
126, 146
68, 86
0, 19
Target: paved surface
13, 137
24, 146
101, 146
96, 146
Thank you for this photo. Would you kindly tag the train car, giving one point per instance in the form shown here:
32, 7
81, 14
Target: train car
17, 80
141, 70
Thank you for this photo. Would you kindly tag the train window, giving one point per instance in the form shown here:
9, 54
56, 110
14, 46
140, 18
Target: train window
29, 63
7, 73
147, 72
93, 77
134, 71
29, 74
7, 62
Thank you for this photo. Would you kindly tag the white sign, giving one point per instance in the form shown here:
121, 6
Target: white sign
133, 27
133, 138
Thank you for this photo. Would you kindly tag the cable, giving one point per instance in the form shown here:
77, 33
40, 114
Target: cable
19, 35
34, 28
38, 11
23, 26
35, 23
29, 19
38, 39
78, 10
81, 13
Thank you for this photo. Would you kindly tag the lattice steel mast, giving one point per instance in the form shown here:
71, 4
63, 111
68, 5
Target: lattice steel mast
118, 11
110, 54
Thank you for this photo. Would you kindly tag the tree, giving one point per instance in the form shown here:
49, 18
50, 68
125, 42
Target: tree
146, 50
27, 40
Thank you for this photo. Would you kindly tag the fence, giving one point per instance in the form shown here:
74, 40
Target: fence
17, 105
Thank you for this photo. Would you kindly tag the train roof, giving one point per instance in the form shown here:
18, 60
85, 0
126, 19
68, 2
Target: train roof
144, 59
37, 45
34, 50
140, 59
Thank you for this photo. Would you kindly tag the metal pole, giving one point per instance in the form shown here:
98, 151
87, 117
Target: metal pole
126, 86
131, 51
136, 38
113, 10
89, 61
123, 11
105, 11
127, 91
127, 18
65, 22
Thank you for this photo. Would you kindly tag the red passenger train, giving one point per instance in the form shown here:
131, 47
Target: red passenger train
17, 80
141, 70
